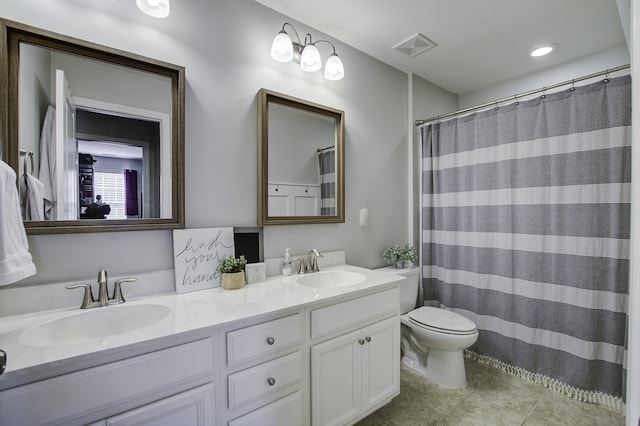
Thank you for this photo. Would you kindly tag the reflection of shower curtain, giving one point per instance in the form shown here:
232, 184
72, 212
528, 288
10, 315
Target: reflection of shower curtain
327, 163
131, 192
525, 231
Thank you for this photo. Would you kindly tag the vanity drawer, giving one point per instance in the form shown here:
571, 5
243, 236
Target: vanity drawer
342, 316
264, 379
262, 339
110, 388
286, 411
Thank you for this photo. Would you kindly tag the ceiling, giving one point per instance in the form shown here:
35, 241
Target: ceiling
479, 42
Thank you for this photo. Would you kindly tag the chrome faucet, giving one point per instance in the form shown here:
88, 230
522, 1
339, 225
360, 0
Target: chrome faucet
310, 263
88, 301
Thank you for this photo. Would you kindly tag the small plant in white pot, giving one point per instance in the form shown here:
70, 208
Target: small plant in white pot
408, 254
393, 256
399, 255
232, 270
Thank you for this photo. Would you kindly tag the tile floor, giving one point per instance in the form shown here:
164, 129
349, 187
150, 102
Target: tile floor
490, 398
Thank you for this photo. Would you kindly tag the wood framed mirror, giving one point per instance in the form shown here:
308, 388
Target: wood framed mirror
300, 161
101, 129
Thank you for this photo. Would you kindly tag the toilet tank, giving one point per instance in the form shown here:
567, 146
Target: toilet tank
409, 288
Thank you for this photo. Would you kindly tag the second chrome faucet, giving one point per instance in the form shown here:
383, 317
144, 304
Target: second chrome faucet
310, 263
88, 301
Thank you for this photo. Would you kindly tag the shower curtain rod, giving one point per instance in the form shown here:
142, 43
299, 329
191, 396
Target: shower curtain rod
516, 97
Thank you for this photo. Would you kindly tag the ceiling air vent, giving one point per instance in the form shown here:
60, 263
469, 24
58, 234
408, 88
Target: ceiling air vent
415, 45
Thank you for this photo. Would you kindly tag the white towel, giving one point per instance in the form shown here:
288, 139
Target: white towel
15, 259
47, 172
31, 199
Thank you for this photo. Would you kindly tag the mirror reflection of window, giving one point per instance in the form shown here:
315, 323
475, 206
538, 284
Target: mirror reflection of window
117, 176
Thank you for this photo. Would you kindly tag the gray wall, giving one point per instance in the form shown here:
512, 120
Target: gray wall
225, 46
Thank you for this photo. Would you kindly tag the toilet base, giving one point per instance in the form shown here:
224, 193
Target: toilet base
441, 367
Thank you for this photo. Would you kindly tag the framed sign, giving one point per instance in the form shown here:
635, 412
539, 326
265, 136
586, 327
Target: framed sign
196, 253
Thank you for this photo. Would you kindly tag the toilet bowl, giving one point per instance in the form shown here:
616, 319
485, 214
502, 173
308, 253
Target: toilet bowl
433, 339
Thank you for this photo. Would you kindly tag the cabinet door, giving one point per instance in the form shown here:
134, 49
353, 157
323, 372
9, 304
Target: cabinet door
381, 362
190, 408
336, 379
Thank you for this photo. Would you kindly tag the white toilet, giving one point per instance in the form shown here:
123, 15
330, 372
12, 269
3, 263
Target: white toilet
432, 338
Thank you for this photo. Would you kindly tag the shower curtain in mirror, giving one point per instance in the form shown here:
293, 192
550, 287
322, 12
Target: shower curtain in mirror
526, 232
327, 164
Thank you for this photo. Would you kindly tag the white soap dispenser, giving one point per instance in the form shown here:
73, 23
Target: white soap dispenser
287, 267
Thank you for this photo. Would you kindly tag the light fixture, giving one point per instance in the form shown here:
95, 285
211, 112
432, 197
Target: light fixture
155, 8
543, 50
307, 54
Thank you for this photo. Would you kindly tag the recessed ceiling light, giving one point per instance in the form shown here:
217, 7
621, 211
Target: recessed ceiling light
543, 50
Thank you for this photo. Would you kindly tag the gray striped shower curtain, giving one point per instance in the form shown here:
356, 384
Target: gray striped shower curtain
525, 230
327, 165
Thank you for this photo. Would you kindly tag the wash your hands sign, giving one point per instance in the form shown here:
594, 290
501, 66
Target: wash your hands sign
196, 253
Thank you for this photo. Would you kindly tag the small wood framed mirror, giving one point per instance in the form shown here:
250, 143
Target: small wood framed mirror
88, 121
300, 161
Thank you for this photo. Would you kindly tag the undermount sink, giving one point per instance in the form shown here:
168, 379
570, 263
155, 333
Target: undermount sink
331, 279
94, 324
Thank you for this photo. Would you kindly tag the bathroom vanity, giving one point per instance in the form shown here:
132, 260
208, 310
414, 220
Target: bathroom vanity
277, 352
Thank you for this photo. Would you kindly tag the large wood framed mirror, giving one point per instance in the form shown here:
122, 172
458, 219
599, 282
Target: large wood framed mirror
300, 161
95, 132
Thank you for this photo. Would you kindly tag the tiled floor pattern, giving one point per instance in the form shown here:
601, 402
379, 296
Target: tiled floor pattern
491, 398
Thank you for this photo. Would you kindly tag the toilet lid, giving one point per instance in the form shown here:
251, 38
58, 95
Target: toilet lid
442, 319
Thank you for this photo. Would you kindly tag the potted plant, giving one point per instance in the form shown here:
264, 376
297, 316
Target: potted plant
232, 270
408, 254
399, 255
393, 255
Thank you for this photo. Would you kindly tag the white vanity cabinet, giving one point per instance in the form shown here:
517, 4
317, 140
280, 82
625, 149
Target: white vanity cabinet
358, 370
264, 372
174, 383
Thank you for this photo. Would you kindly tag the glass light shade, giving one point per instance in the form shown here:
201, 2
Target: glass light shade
333, 69
155, 8
310, 60
282, 48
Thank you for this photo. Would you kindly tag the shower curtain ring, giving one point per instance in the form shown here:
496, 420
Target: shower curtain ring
573, 85
544, 93
606, 77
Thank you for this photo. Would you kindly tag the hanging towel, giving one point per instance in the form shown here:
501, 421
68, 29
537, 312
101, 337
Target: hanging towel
15, 259
31, 199
47, 173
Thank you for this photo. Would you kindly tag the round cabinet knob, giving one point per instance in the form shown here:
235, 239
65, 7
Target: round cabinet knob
270, 341
361, 341
368, 339
271, 381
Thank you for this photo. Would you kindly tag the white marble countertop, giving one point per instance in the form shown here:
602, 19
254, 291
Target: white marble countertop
189, 312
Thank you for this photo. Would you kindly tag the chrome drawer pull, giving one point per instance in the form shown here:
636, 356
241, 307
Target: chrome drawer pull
270, 341
271, 381
361, 341
368, 339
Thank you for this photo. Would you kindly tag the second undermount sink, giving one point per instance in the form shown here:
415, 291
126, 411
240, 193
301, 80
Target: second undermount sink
94, 325
331, 279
